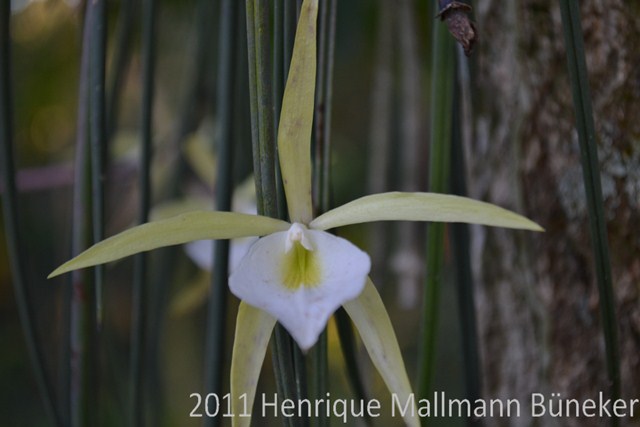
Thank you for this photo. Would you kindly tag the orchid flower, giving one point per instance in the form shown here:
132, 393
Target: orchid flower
298, 274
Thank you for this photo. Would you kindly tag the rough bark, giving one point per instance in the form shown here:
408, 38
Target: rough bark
537, 298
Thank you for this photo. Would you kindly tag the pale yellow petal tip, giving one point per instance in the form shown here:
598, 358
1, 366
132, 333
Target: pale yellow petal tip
59, 271
531, 226
68, 267
538, 228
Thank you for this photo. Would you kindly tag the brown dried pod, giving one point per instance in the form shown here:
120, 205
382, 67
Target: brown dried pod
455, 15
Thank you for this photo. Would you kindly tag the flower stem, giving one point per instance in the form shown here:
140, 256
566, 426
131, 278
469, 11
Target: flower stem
97, 137
319, 355
10, 211
253, 101
97, 133
463, 277
443, 71
81, 354
572, 30
140, 292
121, 59
349, 352
216, 311
262, 98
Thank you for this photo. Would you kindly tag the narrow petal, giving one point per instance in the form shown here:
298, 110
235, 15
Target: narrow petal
294, 132
180, 229
434, 207
253, 330
301, 287
373, 323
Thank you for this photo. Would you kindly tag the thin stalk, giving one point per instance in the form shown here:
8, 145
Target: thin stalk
282, 383
121, 60
319, 376
380, 132
349, 352
10, 212
139, 315
464, 279
572, 30
98, 134
443, 72
264, 98
164, 271
265, 171
81, 356
253, 100
300, 368
319, 355
82, 352
288, 362
97, 138
323, 102
408, 272
318, 113
216, 310
290, 24
278, 58
329, 61
283, 366
279, 79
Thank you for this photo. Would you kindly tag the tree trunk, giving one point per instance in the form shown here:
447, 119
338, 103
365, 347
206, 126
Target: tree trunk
537, 298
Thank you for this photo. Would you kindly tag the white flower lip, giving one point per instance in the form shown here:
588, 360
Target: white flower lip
298, 233
305, 309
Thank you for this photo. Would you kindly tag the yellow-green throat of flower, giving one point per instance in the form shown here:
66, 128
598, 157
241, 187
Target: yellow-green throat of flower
300, 264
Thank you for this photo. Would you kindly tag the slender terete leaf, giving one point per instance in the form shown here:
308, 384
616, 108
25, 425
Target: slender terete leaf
442, 73
288, 373
181, 229
187, 120
81, 317
347, 339
122, 54
253, 100
572, 30
461, 252
10, 211
319, 372
215, 349
140, 284
265, 105
97, 132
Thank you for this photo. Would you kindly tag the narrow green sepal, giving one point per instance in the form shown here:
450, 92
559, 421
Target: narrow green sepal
296, 119
199, 225
434, 207
376, 331
253, 330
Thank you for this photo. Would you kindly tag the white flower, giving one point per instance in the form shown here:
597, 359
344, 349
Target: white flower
301, 277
